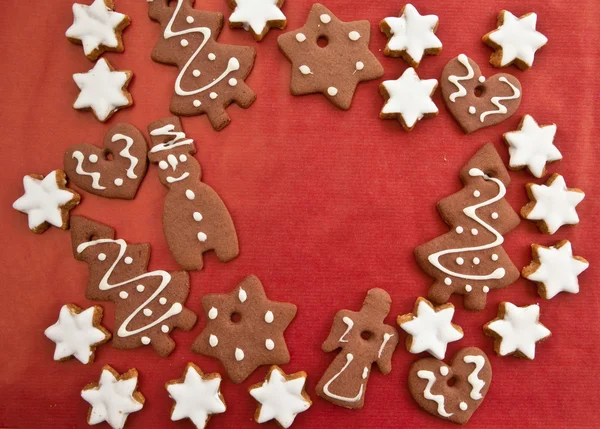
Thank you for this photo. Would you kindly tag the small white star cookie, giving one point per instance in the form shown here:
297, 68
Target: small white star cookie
77, 333
408, 99
515, 40
257, 16
103, 90
282, 397
553, 204
555, 269
411, 36
197, 396
430, 328
516, 330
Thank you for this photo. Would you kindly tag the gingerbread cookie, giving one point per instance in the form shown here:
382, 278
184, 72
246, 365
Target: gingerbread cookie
195, 219
555, 269
46, 201
97, 28
411, 36
408, 99
77, 333
469, 259
515, 40
532, 146
516, 330
211, 74
257, 16
149, 305
429, 381
197, 396
552, 205
113, 397
281, 397
244, 329
477, 102
333, 70
430, 328
103, 90
363, 339
114, 171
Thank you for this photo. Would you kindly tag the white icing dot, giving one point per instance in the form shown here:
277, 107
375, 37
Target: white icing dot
145, 340
468, 288
494, 215
118, 181
123, 294
182, 158
444, 370
332, 90
184, 42
232, 81
190, 194
162, 300
360, 65
459, 229
163, 165
269, 317
472, 110
213, 340
196, 73
93, 158
325, 19
460, 261
190, 20
476, 194
269, 344
354, 36
197, 216
486, 289
239, 354
212, 56
448, 281
140, 288
494, 257
147, 312
300, 37
481, 79
474, 231
101, 256
197, 103
213, 313
213, 95
476, 261
365, 373
305, 69
164, 328
463, 406
128, 260
242, 295
202, 237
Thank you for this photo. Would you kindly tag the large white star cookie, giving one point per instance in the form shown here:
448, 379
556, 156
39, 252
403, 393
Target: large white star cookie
516, 330
430, 328
257, 16
555, 269
553, 204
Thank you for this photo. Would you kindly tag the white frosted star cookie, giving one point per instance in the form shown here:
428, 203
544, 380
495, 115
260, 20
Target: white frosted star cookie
257, 16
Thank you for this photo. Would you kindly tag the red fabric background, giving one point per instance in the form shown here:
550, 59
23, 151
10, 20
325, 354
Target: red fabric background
327, 204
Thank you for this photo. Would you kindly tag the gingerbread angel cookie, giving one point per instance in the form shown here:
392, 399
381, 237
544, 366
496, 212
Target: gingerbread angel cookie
477, 102
211, 74
116, 170
363, 339
335, 69
149, 305
469, 259
195, 219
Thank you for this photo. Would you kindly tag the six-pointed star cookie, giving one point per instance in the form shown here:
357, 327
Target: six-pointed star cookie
411, 35
408, 99
516, 330
553, 204
335, 69
282, 397
244, 329
515, 40
113, 398
103, 90
257, 16
97, 28
77, 333
430, 328
46, 201
555, 269
532, 146
197, 396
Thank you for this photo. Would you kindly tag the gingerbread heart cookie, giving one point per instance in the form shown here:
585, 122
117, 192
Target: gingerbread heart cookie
454, 391
114, 170
477, 102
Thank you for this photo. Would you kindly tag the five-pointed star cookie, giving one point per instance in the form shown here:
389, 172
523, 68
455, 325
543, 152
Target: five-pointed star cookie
516, 330
257, 16
553, 204
97, 28
244, 329
113, 398
408, 99
555, 269
47, 201
532, 146
329, 56
515, 40
103, 90
430, 328
197, 396
77, 333
411, 36
282, 397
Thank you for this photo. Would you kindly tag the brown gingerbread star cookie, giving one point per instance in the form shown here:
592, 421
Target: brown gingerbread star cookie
244, 329
330, 56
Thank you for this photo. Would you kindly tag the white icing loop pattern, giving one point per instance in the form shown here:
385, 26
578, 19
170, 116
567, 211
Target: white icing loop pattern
93, 174
439, 399
179, 138
349, 358
496, 101
462, 58
125, 153
350, 323
476, 383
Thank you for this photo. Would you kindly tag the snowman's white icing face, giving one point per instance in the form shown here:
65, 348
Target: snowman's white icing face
176, 166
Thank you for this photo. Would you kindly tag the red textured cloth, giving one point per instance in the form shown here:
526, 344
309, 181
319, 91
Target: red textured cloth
327, 204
